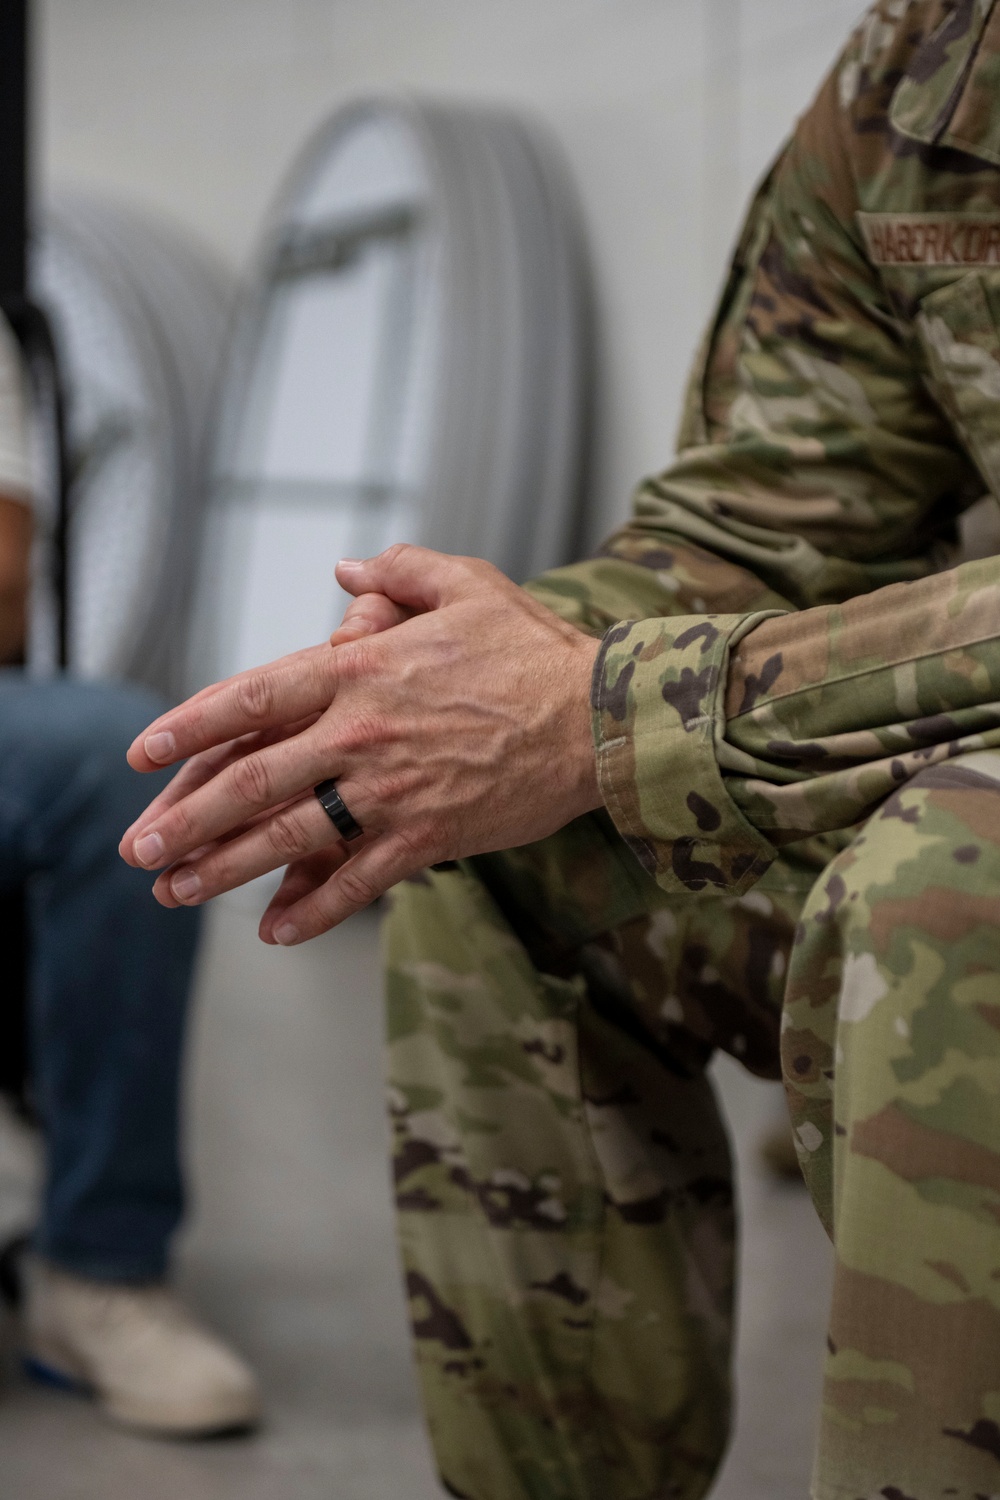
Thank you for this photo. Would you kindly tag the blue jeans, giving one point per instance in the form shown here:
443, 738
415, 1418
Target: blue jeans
109, 978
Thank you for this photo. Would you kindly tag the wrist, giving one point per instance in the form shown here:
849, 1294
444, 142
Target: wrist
586, 785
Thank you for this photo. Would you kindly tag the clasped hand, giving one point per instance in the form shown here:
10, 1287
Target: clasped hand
451, 708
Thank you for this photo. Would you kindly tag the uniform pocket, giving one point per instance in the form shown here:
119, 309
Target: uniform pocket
959, 330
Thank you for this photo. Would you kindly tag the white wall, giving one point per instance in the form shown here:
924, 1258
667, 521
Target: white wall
667, 111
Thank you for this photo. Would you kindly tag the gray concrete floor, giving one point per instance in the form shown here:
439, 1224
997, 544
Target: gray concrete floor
290, 1253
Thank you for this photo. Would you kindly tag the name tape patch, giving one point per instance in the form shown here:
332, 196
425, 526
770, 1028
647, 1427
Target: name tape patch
940, 239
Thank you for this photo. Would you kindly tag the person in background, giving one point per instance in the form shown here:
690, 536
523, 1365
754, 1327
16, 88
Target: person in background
109, 981
732, 782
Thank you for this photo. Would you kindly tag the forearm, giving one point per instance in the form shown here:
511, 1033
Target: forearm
721, 737
827, 712
638, 573
813, 458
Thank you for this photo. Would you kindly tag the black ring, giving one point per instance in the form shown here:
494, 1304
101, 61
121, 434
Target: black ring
333, 805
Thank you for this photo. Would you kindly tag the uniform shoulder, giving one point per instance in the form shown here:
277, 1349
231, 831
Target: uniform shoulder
911, 68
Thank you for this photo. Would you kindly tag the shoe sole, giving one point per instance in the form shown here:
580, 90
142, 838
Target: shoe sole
44, 1374
136, 1418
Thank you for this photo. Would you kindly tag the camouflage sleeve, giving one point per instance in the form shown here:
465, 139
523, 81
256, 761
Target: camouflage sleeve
658, 707
721, 738
814, 465
811, 451
827, 712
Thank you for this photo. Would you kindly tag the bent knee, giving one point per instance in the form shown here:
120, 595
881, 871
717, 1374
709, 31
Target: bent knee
63, 734
80, 715
916, 894
103, 715
939, 833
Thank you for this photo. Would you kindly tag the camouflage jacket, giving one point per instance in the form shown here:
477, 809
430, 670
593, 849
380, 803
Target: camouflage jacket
784, 639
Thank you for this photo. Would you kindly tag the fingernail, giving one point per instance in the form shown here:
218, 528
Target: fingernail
185, 885
286, 934
160, 746
149, 850
349, 562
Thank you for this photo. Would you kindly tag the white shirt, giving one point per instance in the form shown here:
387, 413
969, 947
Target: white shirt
15, 453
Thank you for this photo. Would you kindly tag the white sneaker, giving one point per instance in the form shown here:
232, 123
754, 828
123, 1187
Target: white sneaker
148, 1362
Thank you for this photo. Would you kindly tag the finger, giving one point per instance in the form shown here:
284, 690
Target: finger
299, 829
359, 881
369, 615
162, 755
193, 774
196, 772
301, 877
200, 770
161, 886
208, 763
414, 576
265, 698
253, 784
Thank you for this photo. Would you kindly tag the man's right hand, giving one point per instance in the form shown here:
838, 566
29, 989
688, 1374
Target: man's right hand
369, 614
463, 728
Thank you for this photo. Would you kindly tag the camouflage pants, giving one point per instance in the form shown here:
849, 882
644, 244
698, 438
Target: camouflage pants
564, 1180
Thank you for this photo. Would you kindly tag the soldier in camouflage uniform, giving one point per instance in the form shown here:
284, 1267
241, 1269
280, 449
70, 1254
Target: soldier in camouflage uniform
563, 1178
796, 710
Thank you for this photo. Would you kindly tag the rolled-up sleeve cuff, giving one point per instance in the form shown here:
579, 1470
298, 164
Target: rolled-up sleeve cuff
657, 698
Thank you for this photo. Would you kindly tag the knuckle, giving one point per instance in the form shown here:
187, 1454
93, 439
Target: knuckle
250, 780
218, 871
356, 887
355, 660
417, 847
363, 729
180, 830
481, 571
286, 836
388, 787
255, 696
